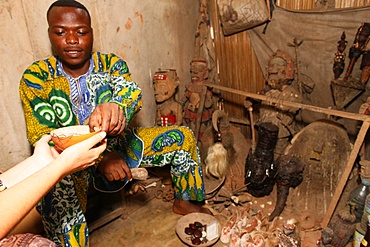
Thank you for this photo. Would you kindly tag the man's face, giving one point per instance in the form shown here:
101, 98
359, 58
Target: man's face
71, 38
277, 73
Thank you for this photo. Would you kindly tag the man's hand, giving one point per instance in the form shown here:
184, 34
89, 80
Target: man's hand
108, 117
113, 167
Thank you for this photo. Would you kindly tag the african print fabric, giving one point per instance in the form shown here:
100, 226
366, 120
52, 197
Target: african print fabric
157, 147
175, 145
51, 100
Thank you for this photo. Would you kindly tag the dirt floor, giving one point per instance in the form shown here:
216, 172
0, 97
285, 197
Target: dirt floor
149, 221
146, 218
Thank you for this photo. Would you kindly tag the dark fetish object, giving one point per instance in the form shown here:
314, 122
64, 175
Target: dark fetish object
358, 46
326, 237
205, 224
343, 225
260, 168
195, 231
289, 174
189, 230
340, 56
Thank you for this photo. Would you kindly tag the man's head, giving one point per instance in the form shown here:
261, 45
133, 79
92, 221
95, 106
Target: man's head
71, 35
165, 84
67, 3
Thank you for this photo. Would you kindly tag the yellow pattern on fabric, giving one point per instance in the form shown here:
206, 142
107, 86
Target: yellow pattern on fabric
111, 58
34, 129
188, 145
191, 179
81, 185
127, 77
198, 179
38, 68
183, 183
72, 241
81, 234
134, 95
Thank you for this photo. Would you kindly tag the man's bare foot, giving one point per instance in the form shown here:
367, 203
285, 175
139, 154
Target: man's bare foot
186, 207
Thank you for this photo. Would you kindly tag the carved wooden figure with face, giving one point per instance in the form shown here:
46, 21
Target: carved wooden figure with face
280, 70
169, 112
199, 71
196, 106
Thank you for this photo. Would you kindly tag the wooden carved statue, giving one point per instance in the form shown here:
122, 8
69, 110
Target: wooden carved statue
340, 56
198, 100
280, 77
357, 49
345, 90
169, 111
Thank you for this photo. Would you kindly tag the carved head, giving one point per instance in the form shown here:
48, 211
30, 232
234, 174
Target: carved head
279, 70
165, 83
199, 70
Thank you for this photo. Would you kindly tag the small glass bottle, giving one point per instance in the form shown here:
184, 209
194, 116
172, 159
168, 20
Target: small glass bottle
366, 240
358, 197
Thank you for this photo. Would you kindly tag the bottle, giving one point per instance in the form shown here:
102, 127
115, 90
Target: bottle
358, 235
365, 213
366, 240
357, 197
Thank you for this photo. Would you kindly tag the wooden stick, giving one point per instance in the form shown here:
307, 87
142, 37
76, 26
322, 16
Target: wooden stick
250, 110
350, 115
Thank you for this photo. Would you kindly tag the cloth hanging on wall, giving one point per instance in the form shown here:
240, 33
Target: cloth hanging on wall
320, 32
239, 15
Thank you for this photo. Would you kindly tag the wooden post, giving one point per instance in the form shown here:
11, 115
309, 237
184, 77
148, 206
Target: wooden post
277, 102
346, 172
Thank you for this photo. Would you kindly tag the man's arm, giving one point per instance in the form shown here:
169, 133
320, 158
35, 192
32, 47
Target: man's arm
125, 93
114, 116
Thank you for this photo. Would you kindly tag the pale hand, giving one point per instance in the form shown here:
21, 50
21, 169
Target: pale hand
83, 154
43, 152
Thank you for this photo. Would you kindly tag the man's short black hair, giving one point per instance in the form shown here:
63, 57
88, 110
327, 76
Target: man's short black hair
68, 3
